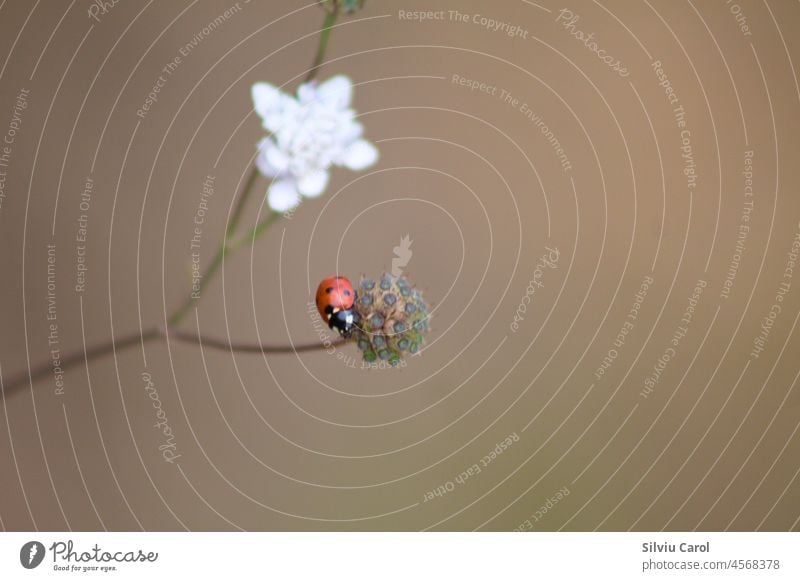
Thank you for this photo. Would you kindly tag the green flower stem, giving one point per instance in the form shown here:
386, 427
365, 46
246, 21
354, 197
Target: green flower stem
223, 249
237, 211
324, 36
257, 230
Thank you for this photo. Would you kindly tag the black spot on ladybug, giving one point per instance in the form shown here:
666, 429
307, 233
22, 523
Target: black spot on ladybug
347, 293
329, 290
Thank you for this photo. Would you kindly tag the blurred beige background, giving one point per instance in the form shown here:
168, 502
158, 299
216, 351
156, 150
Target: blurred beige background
314, 442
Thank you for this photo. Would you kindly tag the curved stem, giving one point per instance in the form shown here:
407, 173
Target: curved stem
238, 347
126, 341
73, 359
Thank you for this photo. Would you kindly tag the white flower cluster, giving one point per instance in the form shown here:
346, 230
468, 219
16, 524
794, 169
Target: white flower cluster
309, 134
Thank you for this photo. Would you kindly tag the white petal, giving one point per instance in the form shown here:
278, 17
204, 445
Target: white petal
307, 92
351, 131
266, 99
265, 168
359, 155
283, 195
277, 158
313, 184
336, 91
271, 160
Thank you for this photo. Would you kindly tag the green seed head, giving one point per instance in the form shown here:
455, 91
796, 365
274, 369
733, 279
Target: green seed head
392, 319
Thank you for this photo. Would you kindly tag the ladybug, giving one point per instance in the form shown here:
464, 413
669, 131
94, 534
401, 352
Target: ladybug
335, 299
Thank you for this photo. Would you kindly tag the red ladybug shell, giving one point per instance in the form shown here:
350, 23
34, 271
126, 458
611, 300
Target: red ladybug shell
334, 293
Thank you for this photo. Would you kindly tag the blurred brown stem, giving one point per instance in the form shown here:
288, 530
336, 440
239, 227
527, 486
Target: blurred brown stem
15, 384
239, 347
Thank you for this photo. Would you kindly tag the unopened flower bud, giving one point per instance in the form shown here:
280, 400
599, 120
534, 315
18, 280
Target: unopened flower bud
393, 319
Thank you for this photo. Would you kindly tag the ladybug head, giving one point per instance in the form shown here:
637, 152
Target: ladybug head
343, 321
